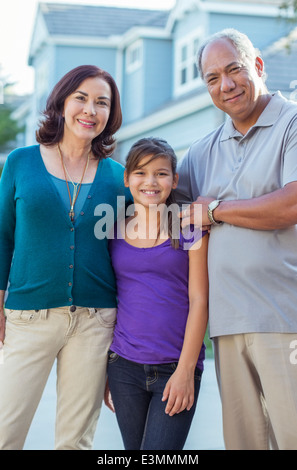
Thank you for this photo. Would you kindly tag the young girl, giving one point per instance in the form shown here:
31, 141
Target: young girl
156, 358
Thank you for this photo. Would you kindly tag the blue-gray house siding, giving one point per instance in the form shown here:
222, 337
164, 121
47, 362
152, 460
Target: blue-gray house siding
262, 31
149, 87
66, 56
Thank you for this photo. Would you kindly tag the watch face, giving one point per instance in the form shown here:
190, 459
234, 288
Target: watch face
213, 205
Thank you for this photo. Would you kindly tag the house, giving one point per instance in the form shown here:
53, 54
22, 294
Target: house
281, 64
151, 55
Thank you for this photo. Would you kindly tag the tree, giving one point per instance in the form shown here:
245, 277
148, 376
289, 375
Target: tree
8, 127
289, 6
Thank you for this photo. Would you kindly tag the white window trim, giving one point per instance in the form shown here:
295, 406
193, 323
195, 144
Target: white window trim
191, 83
131, 66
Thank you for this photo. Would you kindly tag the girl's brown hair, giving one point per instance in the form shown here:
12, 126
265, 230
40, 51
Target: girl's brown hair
51, 129
156, 148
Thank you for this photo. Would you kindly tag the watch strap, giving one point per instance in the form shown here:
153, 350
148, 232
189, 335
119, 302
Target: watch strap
212, 206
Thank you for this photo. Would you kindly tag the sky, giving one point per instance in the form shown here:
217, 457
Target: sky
16, 26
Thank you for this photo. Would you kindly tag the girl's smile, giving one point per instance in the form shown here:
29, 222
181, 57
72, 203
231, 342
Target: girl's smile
149, 192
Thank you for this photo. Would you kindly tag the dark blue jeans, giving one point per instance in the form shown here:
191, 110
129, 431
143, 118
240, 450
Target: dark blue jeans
137, 391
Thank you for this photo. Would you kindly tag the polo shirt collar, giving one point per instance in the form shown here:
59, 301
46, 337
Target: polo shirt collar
267, 118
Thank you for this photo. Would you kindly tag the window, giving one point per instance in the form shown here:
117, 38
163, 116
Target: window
186, 72
134, 56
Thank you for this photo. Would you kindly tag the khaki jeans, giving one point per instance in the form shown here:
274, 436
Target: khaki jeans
257, 375
79, 338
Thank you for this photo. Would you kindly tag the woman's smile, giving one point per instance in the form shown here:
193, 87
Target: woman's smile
85, 123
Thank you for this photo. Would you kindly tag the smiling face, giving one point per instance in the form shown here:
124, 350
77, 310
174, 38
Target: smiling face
87, 109
151, 181
235, 84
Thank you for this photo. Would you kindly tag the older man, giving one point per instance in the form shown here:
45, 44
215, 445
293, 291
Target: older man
244, 174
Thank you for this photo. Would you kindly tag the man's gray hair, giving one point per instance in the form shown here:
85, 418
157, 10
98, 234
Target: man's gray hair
240, 41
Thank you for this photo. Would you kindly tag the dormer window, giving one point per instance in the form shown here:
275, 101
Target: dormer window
186, 72
134, 56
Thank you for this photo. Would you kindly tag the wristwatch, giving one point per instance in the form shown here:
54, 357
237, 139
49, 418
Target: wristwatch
211, 207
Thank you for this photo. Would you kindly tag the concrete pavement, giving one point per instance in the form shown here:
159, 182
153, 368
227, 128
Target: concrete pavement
205, 433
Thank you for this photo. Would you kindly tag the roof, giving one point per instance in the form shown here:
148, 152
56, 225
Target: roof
258, 2
280, 61
89, 20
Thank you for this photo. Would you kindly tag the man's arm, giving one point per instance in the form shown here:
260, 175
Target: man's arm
276, 210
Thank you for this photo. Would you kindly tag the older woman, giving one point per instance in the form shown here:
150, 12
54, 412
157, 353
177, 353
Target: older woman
61, 300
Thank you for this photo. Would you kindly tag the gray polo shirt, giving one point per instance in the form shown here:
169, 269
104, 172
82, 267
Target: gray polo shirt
252, 273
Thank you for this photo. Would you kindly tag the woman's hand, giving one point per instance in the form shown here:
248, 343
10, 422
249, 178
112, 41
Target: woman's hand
179, 392
107, 397
2, 327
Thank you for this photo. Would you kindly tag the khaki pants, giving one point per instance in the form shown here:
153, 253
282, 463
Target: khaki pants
257, 376
79, 340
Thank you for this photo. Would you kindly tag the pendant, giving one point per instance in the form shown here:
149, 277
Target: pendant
71, 215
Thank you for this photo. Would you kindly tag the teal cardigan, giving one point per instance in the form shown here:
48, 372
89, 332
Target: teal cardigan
48, 261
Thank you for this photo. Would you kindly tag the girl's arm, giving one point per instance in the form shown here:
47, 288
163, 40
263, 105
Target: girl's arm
179, 390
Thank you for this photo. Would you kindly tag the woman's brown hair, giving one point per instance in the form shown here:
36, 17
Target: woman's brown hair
51, 129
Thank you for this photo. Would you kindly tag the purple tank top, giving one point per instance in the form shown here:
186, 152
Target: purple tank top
152, 285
